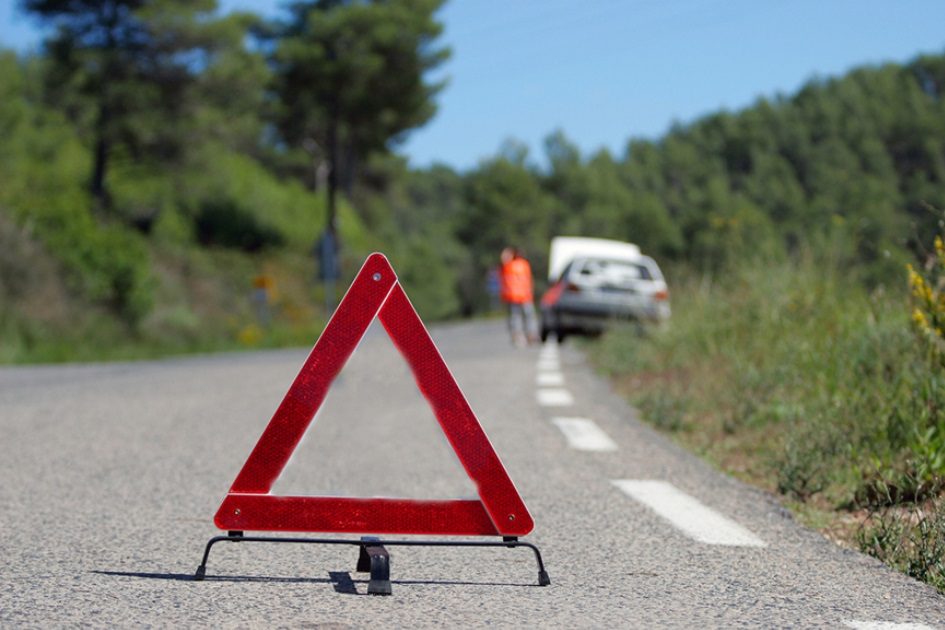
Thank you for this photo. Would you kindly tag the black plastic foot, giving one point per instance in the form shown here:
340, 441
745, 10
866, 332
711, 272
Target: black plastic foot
543, 579
364, 560
374, 558
379, 587
200, 573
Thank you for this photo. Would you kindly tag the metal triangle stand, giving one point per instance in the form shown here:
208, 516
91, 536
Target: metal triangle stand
373, 556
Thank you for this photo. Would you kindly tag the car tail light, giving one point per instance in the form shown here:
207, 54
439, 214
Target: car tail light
552, 294
661, 295
570, 286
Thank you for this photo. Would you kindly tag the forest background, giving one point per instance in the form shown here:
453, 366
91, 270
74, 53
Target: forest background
160, 164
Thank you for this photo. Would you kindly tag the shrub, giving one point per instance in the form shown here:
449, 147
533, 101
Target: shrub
224, 222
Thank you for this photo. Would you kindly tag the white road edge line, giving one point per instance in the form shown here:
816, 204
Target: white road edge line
583, 434
884, 625
548, 365
687, 514
546, 379
554, 398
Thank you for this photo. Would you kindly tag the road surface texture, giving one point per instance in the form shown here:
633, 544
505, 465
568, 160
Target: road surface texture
112, 474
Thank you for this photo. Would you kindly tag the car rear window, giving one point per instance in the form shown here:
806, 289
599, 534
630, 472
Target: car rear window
598, 271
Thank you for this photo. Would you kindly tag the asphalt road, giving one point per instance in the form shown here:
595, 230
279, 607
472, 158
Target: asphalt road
112, 475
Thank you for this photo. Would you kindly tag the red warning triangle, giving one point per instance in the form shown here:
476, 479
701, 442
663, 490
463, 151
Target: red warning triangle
374, 292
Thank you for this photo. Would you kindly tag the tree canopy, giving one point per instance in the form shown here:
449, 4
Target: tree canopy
351, 77
127, 71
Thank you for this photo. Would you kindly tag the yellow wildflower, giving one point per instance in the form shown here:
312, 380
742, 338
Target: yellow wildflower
913, 276
919, 290
250, 335
919, 318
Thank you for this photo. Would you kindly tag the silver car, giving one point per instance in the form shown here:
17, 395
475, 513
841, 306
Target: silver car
592, 292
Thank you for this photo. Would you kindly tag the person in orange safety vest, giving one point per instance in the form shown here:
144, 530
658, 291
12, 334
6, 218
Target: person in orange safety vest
517, 292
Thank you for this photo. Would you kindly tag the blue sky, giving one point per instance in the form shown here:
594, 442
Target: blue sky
604, 71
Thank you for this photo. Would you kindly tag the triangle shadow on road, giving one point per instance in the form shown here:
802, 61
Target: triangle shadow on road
342, 580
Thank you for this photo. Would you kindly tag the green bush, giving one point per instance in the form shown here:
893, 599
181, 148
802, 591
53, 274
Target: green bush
226, 223
226, 182
108, 263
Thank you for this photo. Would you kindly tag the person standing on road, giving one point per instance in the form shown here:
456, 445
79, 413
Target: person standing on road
517, 293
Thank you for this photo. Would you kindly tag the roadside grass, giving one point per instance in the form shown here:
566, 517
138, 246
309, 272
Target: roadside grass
803, 382
97, 337
203, 304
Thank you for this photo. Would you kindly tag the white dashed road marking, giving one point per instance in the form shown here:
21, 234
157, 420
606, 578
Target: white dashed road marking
545, 379
548, 365
583, 435
885, 625
554, 398
687, 514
